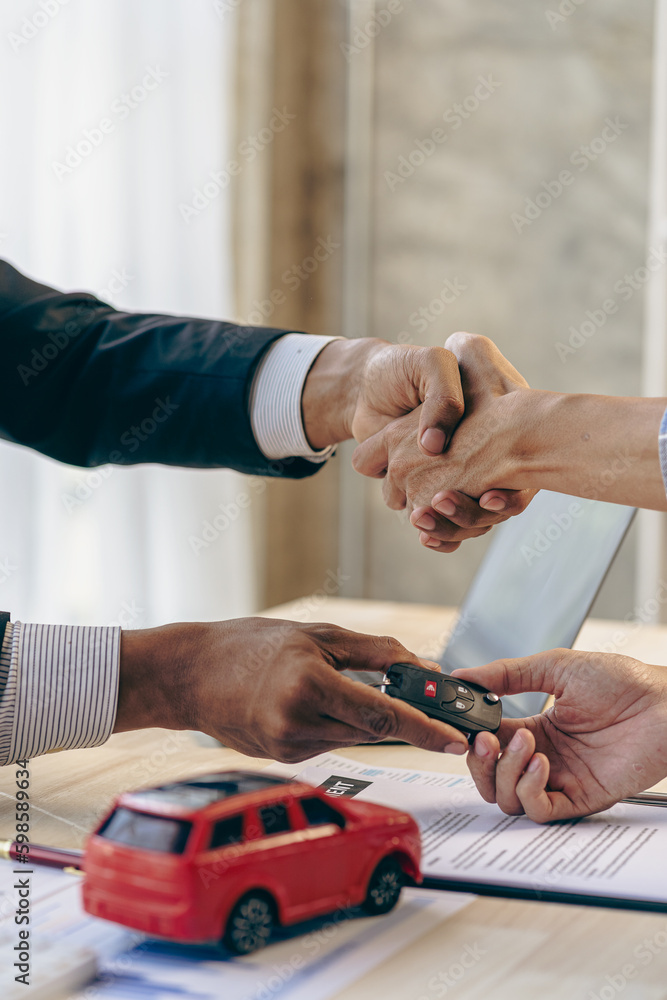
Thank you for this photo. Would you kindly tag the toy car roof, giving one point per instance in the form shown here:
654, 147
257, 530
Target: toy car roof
204, 789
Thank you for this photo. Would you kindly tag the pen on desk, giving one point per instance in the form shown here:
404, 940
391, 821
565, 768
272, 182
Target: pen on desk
52, 857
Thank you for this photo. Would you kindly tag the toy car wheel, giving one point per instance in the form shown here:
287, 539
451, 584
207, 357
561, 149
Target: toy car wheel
384, 887
250, 923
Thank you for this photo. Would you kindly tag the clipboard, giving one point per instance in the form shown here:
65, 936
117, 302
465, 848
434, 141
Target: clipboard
545, 895
657, 799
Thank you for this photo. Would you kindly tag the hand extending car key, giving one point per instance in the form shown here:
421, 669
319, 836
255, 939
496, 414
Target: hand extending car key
466, 706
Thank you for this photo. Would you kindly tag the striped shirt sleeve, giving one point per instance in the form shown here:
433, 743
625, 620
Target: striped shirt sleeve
662, 446
275, 397
58, 688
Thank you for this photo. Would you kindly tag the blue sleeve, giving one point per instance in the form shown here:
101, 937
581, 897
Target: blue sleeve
662, 446
88, 385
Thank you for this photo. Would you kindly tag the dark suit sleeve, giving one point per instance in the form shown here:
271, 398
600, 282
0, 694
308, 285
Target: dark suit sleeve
87, 384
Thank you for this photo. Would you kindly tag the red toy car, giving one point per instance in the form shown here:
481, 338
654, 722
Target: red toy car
224, 857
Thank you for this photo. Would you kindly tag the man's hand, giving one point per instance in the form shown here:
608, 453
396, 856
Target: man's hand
356, 387
604, 738
270, 688
482, 460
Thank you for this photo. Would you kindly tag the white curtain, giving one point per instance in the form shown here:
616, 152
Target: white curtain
143, 93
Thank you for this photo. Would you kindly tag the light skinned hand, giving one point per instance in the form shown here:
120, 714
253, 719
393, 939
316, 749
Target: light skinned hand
604, 738
593, 446
270, 688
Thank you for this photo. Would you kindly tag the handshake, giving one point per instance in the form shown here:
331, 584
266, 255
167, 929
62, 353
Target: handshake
443, 427
462, 442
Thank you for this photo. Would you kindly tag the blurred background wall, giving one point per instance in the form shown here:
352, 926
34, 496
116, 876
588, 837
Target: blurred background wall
121, 213
460, 120
522, 92
472, 230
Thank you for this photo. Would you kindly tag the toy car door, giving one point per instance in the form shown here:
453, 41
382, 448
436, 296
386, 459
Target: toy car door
326, 858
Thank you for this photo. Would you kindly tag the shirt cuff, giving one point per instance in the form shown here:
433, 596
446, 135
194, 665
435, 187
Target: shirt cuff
275, 397
662, 447
60, 689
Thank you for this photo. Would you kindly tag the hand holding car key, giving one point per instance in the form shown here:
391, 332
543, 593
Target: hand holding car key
466, 706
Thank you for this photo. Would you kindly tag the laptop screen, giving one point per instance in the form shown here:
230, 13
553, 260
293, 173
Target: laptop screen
536, 585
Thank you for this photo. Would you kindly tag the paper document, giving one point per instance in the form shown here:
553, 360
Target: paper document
310, 961
618, 854
64, 945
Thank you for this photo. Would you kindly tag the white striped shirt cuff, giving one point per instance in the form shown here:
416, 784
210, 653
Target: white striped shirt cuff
275, 397
58, 688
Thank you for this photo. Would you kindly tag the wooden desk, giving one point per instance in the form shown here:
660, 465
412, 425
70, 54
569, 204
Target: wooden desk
528, 950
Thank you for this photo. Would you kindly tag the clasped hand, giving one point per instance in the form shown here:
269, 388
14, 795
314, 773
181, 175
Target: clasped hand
478, 469
604, 737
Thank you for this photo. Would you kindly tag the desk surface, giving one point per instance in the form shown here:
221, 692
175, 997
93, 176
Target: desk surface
527, 949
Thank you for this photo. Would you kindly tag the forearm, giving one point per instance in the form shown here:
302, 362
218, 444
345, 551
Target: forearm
88, 385
156, 687
602, 447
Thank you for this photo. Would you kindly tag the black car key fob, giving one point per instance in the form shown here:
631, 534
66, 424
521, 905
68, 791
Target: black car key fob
466, 706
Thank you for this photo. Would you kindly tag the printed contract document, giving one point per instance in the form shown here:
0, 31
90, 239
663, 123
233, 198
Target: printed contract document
618, 855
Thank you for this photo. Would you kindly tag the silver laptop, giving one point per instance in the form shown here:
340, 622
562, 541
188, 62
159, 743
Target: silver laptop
536, 585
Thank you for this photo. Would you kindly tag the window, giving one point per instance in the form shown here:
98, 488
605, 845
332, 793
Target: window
318, 813
274, 818
150, 833
227, 831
